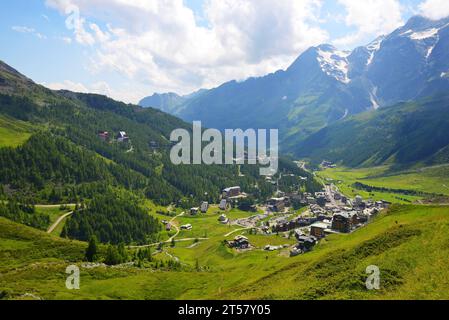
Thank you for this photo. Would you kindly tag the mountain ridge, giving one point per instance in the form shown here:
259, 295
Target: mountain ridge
324, 84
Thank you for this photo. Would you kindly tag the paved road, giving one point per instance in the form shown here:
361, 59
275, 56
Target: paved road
330, 194
60, 219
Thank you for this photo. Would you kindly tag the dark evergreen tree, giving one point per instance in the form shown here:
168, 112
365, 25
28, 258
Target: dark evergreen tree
92, 250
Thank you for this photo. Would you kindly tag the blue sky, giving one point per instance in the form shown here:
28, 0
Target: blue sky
129, 49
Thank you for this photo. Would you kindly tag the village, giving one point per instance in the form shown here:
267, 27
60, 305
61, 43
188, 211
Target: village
324, 213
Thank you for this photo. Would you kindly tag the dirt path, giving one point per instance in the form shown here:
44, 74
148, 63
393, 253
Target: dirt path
171, 222
175, 226
237, 230
60, 219
168, 241
55, 205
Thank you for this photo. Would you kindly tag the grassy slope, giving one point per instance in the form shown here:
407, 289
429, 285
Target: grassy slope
13, 132
409, 244
405, 134
429, 180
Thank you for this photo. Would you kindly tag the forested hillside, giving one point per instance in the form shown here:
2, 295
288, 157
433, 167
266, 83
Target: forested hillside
66, 161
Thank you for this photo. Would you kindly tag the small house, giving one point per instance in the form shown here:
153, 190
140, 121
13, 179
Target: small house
318, 230
276, 204
103, 135
194, 211
240, 242
305, 243
342, 222
204, 207
231, 192
223, 219
122, 137
223, 204
358, 201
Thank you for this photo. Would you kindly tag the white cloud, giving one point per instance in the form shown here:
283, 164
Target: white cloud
127, 92
370, 18
67, 40
23, 29
435, 9
160, 44
67, 85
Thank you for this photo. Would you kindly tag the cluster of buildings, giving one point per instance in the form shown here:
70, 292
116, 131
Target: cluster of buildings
122, 136
330, 212
328, 164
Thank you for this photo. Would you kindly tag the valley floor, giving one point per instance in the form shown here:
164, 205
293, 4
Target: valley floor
396, 187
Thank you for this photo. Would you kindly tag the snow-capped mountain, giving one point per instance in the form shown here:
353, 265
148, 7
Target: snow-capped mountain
325, 84
410, 61
334, 62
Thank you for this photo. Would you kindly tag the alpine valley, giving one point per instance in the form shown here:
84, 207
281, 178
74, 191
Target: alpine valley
87, 184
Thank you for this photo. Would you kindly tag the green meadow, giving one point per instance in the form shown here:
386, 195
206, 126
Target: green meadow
408, 243
429, 180
13, 132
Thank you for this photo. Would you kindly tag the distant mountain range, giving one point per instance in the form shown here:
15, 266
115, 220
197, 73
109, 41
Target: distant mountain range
326, 85
168, 102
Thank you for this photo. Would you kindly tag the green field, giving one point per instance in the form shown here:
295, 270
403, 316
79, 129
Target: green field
428, 180
13, 132
409, 244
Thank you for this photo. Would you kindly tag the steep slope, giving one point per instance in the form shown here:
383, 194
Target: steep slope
402, 134
411, 62
325, 84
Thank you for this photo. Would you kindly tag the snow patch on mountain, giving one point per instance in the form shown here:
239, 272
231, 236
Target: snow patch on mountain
373, 47
345, 115
373, 99
428, 37
430, 33
334, 63
430, 50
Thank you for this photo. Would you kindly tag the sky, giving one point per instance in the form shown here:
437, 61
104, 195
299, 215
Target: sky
129, 49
